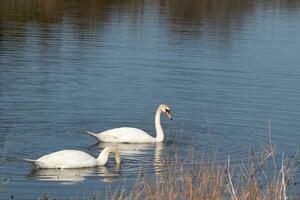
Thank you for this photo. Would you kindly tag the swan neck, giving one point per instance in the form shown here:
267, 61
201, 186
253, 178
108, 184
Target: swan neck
103, 157
159, 131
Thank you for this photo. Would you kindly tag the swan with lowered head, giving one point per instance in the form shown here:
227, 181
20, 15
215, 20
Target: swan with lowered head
73, 159
134, 135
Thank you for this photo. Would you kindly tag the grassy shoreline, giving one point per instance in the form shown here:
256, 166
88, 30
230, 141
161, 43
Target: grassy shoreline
259, 178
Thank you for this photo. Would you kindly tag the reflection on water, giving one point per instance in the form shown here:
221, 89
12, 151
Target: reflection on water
149, 153
190, 18
128, 149
69, 176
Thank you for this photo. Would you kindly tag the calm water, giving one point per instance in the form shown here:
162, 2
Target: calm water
225, 67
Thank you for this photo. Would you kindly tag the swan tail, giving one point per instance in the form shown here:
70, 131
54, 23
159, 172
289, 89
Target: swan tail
30, 161
92, 134
36, 163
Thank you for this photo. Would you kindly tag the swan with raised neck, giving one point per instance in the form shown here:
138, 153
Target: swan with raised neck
134, 135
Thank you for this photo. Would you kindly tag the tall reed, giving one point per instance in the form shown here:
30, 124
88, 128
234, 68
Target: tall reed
260, 177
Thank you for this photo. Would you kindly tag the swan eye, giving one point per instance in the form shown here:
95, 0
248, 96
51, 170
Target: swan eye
167, 111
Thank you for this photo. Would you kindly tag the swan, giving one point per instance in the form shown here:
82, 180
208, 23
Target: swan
73, 159
134, 135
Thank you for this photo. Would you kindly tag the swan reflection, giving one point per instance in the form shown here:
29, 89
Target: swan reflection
72, 176
141, 152
127, 149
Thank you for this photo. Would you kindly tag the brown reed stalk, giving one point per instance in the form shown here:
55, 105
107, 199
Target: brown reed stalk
206, 180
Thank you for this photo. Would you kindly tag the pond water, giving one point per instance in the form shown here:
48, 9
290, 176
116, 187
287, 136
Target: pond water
226, 68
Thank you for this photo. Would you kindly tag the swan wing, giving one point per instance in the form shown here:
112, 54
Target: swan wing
125, 134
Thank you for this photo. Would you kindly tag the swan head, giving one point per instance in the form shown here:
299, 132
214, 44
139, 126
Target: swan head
166, 109
116, 153
117, 156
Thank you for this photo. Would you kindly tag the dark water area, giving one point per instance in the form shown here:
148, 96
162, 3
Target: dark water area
226, 68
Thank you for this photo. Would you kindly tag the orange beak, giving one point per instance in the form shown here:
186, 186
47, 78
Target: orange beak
169, 115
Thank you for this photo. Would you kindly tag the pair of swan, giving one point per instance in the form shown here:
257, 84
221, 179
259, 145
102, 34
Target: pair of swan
78, 159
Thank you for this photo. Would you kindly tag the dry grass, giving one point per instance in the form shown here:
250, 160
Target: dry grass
259, 178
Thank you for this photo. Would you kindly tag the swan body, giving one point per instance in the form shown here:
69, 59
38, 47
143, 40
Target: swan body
73, 159
124, 134
134, 135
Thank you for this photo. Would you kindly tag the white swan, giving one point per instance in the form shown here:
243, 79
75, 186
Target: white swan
73, 159
134, 135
